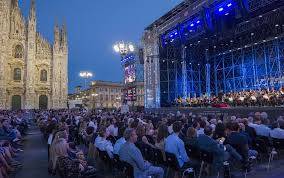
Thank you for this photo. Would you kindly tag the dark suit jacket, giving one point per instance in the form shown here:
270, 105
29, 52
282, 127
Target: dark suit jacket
208, 144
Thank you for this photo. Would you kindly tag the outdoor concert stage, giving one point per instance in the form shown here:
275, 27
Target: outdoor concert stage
201, 48
273, 112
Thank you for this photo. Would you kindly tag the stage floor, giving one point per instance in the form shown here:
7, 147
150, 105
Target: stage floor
273, 112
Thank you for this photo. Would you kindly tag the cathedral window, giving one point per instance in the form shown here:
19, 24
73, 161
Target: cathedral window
17, 74
18, 51
43, 75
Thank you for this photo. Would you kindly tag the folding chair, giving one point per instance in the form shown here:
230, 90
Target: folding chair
172, 163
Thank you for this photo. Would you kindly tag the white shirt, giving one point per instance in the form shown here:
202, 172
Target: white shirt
94, 125
170, 129
50, 138
112, 130
277, 133
104, 145
200, 132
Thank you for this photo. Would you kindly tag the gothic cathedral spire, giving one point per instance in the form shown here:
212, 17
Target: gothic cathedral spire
32, 17
64, 36
14, 4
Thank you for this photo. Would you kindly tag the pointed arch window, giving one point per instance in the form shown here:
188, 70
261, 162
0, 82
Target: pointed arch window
17, 74
18, 51
43, 75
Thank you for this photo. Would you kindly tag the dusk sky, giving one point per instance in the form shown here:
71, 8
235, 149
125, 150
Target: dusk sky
93, 27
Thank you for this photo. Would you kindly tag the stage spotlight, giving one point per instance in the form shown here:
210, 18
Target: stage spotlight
198, 22
229, 5
192, 25
221, 9
227, 13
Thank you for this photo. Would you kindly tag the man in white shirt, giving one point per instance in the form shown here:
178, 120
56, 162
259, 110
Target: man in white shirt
277, 132
103, 144
93, 124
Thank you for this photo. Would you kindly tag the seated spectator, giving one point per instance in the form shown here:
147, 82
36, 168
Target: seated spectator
277, 132
174, 145
201, 129
249, 130
112, 129
219, 131
206, 143
118, 145
161, 136
65, 165
191, 137
102, 143
60, 138
260, 128
141, 133
239, 142
132, 155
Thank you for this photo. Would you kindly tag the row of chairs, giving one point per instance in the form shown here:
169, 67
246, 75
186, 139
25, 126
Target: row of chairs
126, 169
268, 147
115, 164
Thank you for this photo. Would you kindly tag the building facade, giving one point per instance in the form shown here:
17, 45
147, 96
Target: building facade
33, 72
101, 94
139, 94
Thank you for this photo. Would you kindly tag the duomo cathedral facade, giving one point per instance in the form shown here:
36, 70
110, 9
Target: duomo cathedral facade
33, 72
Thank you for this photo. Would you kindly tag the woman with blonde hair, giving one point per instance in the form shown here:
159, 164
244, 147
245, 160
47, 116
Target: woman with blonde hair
60, 136
65, 165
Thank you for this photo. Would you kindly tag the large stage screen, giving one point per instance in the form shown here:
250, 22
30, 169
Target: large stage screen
129, 73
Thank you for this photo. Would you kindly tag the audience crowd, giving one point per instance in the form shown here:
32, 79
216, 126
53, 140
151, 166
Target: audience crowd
77, 139
13, 127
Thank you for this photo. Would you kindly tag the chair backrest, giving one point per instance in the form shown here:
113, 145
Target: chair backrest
206, 156
103, 155
127, 169
171, 161
146, 150
158, 157
278, 143
266, 140
116, 161
261, 146
192, 152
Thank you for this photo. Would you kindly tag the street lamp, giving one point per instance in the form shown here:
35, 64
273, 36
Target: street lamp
85, 75
123, 48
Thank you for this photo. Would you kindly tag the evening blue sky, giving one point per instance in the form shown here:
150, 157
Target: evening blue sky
93, 27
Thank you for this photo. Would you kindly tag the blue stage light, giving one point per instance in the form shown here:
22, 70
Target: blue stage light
229, 5
227, 13
221, 9
198, 22
192, 25
176, 33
